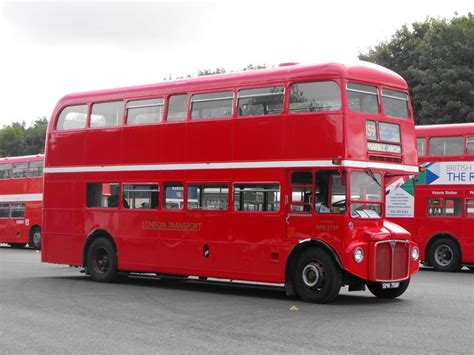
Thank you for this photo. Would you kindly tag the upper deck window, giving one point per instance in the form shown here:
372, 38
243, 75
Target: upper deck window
5, 170
470, 145
421, 145
177, 108
107, 114
35, 168
19, 170
214, 105
442, 146
144, 111
262, 101
395, 103
315, 97
72, 117
363, 98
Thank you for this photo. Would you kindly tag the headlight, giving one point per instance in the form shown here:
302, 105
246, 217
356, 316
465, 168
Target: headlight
415, 253
358, 255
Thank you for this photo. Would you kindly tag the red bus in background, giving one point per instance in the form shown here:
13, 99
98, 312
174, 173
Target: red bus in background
270, 176
443, 224
21, 196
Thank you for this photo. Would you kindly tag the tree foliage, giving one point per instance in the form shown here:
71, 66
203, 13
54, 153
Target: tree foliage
436, 58
17, 139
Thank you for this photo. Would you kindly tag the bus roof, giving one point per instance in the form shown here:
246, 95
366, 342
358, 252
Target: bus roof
443, 130
21, 159
359, 70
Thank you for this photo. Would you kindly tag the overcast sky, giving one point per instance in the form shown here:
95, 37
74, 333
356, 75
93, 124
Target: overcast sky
49, 49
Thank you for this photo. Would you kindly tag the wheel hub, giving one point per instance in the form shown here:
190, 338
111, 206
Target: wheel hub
312, 274
443, 255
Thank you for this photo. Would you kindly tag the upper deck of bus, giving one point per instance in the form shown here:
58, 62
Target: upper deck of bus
21, 159
445, 142
361, 71
289, 136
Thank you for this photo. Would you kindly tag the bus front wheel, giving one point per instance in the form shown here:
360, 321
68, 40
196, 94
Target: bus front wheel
316, 276
102, 260
444, 255
378, 291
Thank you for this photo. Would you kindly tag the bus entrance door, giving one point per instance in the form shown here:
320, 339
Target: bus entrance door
300, 210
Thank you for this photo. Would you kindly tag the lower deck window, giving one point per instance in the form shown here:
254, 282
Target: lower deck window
208, 197
448, 207
470, 208
4, 210
257, 197
174, 197
103, 195
17, 210
140, 196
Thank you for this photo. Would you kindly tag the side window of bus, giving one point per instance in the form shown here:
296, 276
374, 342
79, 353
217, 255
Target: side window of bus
262, 101
35, 168
257, 197
330, 192
177, 108
214, 105
19, 170
363, 98
443, 146
470, 145
470, 207
395, 103
140, 196
421, 145
301, 191
72, 117
17, 210
4, 210
5, 171
144, 111
449, 207
102, 195
107, 114
174, 196
208, 197
315, 97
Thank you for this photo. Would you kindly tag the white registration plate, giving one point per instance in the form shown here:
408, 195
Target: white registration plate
386, 285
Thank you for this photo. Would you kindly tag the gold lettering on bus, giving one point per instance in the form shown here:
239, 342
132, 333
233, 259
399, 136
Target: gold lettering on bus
172, 226
327, 227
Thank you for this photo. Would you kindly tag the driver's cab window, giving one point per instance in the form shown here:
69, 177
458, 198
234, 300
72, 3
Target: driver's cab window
330, 192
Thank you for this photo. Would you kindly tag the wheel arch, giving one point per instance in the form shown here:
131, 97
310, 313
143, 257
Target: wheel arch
98, 233
438, 236
297, 250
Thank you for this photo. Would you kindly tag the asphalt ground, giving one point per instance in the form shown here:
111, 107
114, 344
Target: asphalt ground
48, 308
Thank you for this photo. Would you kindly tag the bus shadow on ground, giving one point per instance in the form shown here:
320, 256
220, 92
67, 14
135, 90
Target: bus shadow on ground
464, 270
235, 289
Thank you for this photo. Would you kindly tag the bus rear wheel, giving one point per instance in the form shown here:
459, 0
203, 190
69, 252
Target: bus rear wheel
316, 276
378, 291
35, 238
102, 260
444, 255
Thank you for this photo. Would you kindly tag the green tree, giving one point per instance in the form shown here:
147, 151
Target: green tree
16, 139
436, 58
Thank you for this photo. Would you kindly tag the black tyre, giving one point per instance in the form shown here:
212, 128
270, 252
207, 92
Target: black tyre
379, 292
17, 245
102, 260
316, 277
35, 238
444, 255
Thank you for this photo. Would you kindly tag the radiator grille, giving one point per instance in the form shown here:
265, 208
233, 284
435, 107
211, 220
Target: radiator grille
391, 260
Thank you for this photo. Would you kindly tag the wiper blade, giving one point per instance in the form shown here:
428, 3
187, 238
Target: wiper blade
372, 175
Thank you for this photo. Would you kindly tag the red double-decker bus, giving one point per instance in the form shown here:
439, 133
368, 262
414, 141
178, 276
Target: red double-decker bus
443, 223
21, 196
269, 176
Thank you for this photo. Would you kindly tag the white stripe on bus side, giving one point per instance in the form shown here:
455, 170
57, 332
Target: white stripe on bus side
21, 198
231, 165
